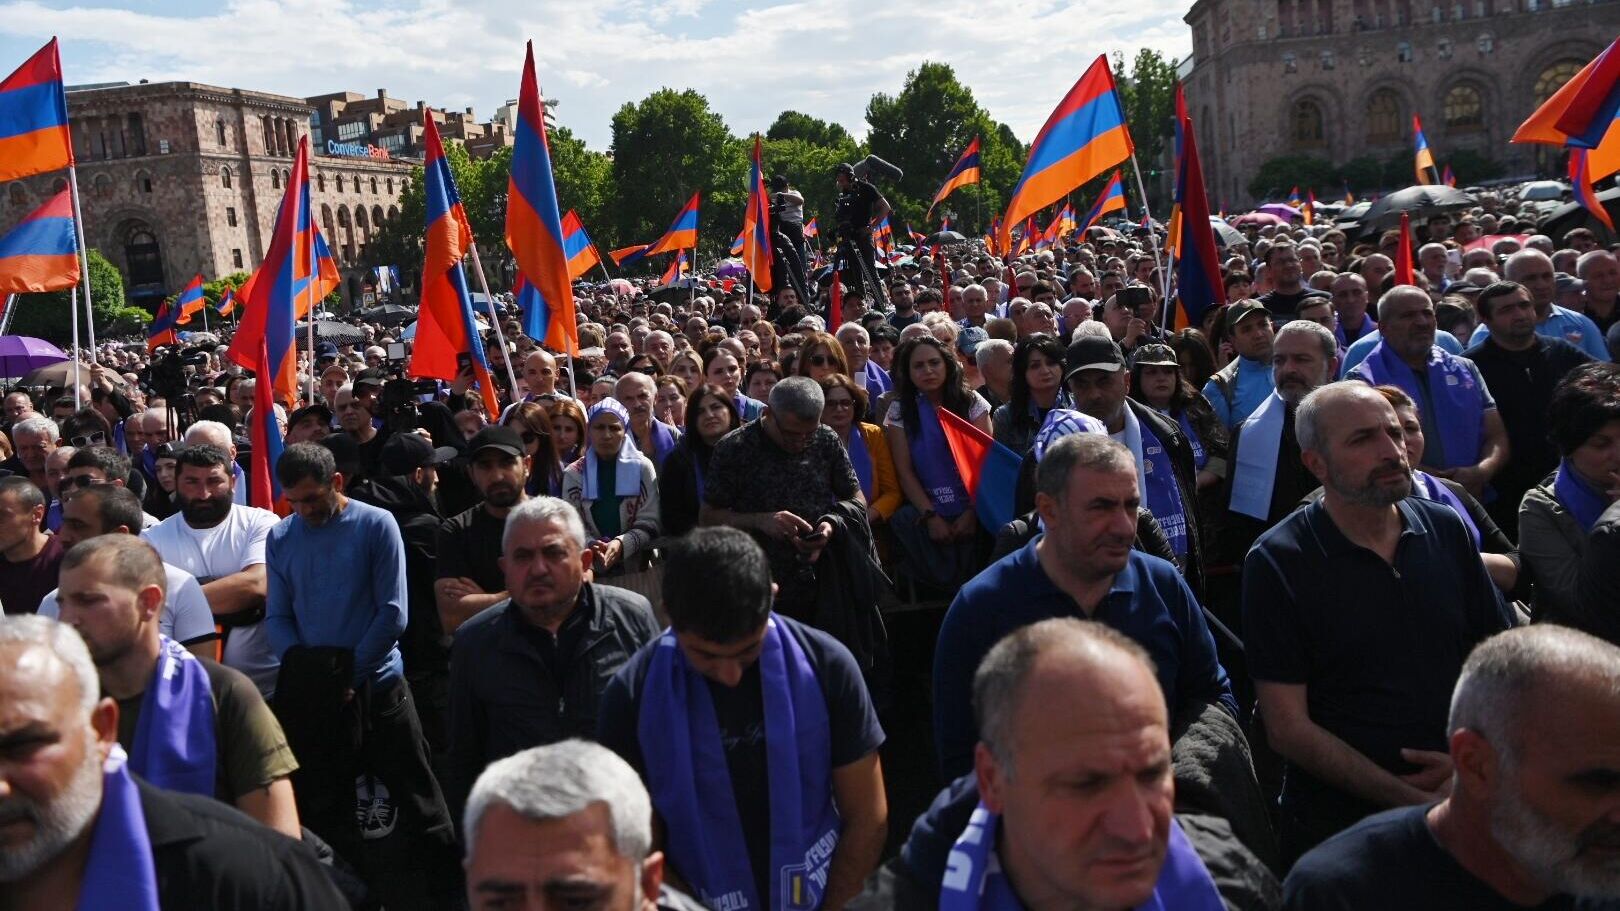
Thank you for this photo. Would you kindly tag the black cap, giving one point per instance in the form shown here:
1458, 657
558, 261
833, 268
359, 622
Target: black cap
326, 349
370, 377
316, 410
495, 436
406, 452
1156, 354
844, 167
1093, 353
1243, 308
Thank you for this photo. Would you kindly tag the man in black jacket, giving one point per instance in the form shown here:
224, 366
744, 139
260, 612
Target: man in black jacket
1094, 370
530, 670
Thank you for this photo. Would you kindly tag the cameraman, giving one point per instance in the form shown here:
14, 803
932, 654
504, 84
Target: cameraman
787, 214
860, 208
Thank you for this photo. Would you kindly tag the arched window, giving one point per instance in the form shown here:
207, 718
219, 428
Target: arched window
143, 182
1306, 125
102, 187
18, 194
219, 132
275, 179
373, 186
1384, 117
376, 216
225, 178
320, 182
1465, 111
144, 258
393, 212
339, 179
1553, 78
269, 136
390, 186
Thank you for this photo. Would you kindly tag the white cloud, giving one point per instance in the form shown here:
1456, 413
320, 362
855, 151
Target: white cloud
825, 58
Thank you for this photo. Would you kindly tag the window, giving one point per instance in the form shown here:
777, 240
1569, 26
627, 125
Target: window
102, 187
320, 182
1443, 48
225, 177
136, 144
373, 186
339, 179
143, 182
390, 186
1553, 78
1306, 125
230, 216
1384, 117
275, 179
1486, 43
1465, 111
1403, 52
352, 130
236, 259
1290, 63
1328, 60
219, 132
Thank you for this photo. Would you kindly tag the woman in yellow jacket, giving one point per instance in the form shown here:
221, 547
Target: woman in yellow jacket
868, 449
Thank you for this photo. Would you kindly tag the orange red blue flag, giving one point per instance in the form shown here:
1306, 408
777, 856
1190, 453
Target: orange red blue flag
577, 245
33, 117
190, 301
683, 231
534, 228
264, 488
1424, 163
40, 253
676, 269
1572, 116
1112, 199
756, 230
964, 172
161, 331
227, 302
1199, 284
1580, 179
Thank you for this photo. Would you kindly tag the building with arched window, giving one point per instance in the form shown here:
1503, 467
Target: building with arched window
1341, 79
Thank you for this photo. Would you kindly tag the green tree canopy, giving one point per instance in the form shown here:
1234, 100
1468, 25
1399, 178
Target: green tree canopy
666, 147
814, 130
1279, 175
49, 316
1148, 91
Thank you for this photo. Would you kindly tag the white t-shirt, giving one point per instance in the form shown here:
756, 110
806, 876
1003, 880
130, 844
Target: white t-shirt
977, 408
214, 553
185, 616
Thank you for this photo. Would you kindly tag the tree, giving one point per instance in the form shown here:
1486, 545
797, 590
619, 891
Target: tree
814, 130
584, 183
1278, 175
665, 147
1472, 167
49, 316
1149, 96
1364, 174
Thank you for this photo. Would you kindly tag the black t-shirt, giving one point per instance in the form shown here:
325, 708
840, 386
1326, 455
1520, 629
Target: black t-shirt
470, 546
740, 712
1284, 306
23, 585
855, 205
1392, 862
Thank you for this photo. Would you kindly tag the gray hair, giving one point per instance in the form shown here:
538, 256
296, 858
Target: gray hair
545, 509
1088, 329
559, 780
799, 396
1584, 264
854, 329
1324, 338
1500, 675
991, 348
63, 642
1093, 451
1510, 268
37, 425
1396, 294
1310, 421
999, 681
211, 432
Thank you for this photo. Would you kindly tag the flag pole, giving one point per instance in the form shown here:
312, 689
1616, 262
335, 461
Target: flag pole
84, 256
75, 311
5, 319
495, 319
691, 290
1158, 253
309, 319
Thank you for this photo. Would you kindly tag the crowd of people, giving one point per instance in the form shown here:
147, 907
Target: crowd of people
1310, 605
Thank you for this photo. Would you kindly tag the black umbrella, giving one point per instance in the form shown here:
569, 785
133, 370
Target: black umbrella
946, 237
1420, 202
331, 331
1574, 215
388, 314
1225, 234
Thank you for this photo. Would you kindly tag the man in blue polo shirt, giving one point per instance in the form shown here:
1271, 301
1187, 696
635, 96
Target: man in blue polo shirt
1083, 565
1243, 385
1534, 270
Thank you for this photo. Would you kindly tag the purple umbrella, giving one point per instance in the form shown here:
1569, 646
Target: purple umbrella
1281, 210
21, 353
731, 268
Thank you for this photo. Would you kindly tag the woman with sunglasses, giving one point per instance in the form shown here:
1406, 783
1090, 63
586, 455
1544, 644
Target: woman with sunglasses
1037, 388
937, 529
721, 368
643, 363
615, 489
710, 415
567, 429
820, 357
844, 401
533, 425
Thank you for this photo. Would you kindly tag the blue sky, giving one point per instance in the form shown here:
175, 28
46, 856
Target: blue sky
752, 60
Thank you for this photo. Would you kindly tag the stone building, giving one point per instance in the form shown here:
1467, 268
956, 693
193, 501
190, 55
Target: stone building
179, 178
1339, 79
349, 117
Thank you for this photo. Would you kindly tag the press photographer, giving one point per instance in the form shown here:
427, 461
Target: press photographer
860, 208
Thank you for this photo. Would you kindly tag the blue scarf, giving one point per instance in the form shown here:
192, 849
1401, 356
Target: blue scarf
1367, 325
876, 380
1457, 400
861, 459
690, 782
1583, 502
120, 872
936, 469
1254, 474
1200, 456
1059, 423
626, 465
974, 880
747, 409
174, 745
1156, 479
664, 438
1428, 487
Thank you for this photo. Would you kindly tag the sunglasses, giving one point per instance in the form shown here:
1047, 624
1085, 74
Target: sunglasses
822, 360
81, 481
89, 439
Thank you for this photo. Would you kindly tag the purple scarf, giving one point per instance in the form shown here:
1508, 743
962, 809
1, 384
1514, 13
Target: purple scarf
1579, 497
936, 469
861, 460
120, 872
174, 738
1456, 398
1200, 456
690, 782
1367, 325
974, 879
1429, 487
664, 438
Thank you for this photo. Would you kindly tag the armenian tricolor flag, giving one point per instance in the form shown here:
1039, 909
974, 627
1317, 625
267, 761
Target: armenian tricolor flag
1293, 196
191, 300
577, 246
1581, 179
1424, 163
264, 488
989, 469
1112, 199
756, 252
1308, 211
1573, 116
534, 233
1349, 197
811, 229
1084, 137
446, 333
227, 302
40, 254
625, 257
676, 269
736, 247
161, 331
683, 231
1448, 178
963, 173
1199, 285
883, 236
33, 117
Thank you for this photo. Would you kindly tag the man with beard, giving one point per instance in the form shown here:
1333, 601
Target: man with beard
469, 570
1358, 611
78, 830
1288, 282
1268, 477
1529, 822
222, 544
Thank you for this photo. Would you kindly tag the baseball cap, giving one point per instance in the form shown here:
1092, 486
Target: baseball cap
495, 436
370, 377
325, 349
1243, 308
1155, 355
1567, 282
406, 452
969, 339
1092, 353
316, 410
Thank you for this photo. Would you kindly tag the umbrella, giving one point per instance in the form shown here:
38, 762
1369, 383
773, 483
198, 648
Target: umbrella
330, 331
1419, 201
1575, 215
946, 237
61, 373
1353, 213
1259, 219
731, 268
678, 288
21, 353
388, 314
199, 338
1225, 234
621, 286
1537, 190
1281, 210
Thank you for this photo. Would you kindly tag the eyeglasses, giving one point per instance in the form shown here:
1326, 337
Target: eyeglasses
822, 360
83, 480
89, 439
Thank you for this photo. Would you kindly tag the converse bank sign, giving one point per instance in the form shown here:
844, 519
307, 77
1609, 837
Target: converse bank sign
355, 150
